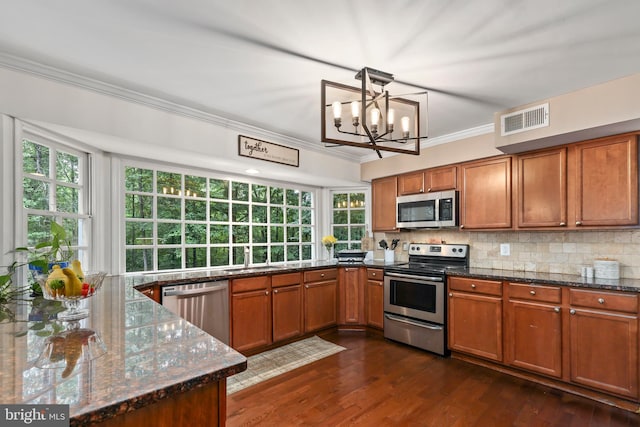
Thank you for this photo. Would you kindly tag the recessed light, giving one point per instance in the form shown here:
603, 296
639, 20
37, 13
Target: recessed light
252, 171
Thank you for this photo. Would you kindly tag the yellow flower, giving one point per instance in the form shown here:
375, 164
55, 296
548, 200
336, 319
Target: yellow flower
329, 241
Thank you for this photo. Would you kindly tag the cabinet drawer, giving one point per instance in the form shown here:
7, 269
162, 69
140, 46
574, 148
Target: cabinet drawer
375, 274
604, 300
480, 286
250, 284
319, 275
285, 279
535, 292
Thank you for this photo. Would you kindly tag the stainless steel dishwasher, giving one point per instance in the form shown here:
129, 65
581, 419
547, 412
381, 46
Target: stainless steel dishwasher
206, 305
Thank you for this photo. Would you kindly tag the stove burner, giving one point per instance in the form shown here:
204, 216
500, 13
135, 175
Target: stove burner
428, 259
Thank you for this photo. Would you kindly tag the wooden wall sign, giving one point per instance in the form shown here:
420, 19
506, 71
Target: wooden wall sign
263, 150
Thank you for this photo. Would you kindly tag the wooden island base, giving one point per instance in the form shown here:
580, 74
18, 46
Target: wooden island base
201, 406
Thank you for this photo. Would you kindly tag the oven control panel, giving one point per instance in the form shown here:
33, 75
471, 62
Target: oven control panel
438, 250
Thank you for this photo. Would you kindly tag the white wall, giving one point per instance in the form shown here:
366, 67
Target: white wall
187, 137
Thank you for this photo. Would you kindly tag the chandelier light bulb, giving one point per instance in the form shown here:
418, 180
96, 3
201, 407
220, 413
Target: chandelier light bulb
375, 118
391, 116
337, 113
355, 113
355, 109
405, 126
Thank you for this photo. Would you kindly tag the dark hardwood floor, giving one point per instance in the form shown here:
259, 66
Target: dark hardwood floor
376, 382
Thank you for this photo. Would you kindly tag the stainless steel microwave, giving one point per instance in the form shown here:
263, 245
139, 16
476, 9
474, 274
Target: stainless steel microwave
427, 210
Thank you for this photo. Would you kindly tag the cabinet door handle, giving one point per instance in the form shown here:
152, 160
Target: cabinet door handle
556, 309
572, 311
600, 300
373, 274
266, 292
306, 286
321, 274
429, 190
562, 224
473, 286
275, 291
461, 226
578, 222
450, 294
532, 292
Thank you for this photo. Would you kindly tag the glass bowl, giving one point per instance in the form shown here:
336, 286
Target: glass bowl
71, 296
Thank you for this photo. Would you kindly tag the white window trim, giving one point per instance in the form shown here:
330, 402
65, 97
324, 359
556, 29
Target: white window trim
22, 130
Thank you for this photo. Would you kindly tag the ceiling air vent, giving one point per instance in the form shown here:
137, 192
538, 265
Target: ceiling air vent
523, 120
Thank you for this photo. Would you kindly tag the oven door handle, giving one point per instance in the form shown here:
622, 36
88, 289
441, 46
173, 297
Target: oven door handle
412, 322
416, 278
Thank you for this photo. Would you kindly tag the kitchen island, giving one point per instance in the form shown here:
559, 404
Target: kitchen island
158, 369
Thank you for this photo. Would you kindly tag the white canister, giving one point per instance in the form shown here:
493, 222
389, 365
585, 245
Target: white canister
389, 255
606, 269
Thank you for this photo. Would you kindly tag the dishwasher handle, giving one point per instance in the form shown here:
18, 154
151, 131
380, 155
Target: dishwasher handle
175, 291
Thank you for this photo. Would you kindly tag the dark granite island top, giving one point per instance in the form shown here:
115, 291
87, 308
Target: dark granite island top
152, 354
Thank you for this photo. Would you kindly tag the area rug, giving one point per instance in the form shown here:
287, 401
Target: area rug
274, 362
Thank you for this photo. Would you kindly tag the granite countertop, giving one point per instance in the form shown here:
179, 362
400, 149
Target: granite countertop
628, 285
213, 274
151, 354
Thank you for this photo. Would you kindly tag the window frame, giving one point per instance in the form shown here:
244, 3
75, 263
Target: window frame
366, 207
55, 143
126, 162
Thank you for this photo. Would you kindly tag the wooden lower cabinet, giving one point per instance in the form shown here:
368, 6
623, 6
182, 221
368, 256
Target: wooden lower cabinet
374, 298
320, 299
603, 344
250, 313
577, 336
533, 328
475, 317
286, 300
351, 300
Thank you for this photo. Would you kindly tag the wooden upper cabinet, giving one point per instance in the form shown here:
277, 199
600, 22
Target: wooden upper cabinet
606, 190
485, 197
542, 189
383, 212
411, 183
440, 179
427, 181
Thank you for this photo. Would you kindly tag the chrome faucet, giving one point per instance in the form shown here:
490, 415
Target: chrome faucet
246, 256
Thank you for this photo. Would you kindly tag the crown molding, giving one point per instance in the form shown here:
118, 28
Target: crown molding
60, 76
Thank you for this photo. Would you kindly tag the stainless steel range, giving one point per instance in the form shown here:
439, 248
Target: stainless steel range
415, 311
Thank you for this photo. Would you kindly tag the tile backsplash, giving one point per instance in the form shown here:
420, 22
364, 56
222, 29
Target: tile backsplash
541, 251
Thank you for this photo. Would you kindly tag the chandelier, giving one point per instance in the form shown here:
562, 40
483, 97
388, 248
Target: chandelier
367, 117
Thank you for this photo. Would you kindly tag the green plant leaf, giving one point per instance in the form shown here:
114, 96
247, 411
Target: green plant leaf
43, 333
37, 326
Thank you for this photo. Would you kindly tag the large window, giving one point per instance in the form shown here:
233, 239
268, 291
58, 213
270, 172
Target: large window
54, 180
348, 219
178, 220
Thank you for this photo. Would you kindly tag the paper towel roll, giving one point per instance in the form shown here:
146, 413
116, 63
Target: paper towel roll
606, 269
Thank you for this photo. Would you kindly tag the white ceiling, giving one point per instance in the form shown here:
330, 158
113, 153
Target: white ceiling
260, 62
